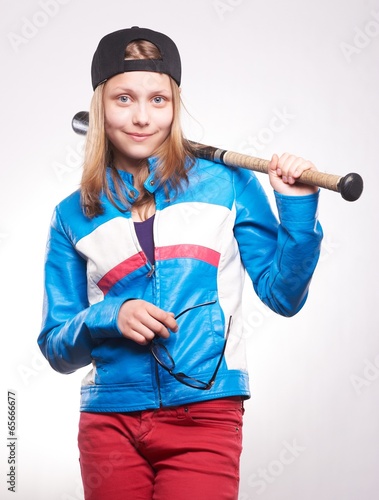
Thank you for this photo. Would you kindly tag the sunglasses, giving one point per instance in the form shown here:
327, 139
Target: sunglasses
166, 361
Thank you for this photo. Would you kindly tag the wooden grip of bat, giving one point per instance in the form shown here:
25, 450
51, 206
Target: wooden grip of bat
310, 177
232, 159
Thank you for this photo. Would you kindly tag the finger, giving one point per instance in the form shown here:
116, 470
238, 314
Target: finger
303, 166
147, 326
285, 161
164, 318
141, 321
282, 164
291, 167
274, 163
142, 337
143, 328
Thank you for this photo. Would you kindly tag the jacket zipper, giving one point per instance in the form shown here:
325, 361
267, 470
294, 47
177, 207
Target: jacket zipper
152, 270
158, 384
150, 274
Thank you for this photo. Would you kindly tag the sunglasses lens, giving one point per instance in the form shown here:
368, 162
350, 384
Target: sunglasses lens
162, 355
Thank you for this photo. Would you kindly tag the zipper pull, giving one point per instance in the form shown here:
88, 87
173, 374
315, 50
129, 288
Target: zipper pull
151, 272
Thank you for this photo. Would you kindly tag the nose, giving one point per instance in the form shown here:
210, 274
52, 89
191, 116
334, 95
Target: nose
141, 115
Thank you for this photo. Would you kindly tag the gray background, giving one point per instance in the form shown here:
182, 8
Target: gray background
259, 76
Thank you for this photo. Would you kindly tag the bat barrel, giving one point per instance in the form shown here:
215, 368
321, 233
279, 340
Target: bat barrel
80, 122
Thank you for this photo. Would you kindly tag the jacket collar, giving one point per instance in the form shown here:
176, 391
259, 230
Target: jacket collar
129, 191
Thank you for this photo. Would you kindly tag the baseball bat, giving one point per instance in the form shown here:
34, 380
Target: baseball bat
349, 186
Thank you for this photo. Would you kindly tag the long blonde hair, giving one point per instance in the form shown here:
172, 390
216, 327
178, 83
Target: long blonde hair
175, 155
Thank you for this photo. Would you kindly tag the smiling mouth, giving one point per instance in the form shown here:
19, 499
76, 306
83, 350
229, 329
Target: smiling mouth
139, 137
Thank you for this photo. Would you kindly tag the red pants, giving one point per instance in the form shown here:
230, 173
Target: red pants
182, 453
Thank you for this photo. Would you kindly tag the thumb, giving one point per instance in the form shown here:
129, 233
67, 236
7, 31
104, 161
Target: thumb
273, 165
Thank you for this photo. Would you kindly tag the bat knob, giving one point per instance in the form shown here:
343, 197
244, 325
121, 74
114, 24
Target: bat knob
80, 122
351, 187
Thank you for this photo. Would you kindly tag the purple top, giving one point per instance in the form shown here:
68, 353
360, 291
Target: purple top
145, 237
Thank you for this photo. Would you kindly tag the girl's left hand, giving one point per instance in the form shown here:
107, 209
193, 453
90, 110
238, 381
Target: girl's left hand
283, 172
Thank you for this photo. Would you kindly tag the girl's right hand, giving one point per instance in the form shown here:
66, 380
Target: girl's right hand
141, 321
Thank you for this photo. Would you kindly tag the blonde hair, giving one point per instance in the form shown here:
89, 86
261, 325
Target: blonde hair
175, 155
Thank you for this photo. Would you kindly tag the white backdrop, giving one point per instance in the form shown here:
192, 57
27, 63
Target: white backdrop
259, 76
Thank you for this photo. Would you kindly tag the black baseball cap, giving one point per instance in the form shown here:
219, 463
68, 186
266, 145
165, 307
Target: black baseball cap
109, 58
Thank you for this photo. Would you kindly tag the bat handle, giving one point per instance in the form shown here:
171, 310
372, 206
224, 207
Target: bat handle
350, 186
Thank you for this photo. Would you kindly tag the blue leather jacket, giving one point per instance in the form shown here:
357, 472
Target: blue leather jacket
219, 226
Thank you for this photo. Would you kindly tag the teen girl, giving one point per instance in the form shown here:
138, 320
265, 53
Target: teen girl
144, 275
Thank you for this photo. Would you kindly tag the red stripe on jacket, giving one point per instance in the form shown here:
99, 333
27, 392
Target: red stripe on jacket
161, 253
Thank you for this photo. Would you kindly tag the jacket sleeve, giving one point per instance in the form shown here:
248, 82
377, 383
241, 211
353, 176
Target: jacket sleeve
280, 257
70, 327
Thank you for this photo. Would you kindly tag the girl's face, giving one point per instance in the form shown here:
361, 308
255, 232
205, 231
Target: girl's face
138, 115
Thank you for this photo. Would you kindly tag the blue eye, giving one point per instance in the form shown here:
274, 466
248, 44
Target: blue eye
124, 99
158, 99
